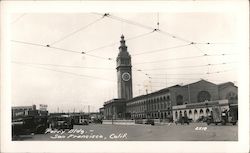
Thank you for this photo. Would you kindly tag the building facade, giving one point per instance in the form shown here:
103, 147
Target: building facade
193, 100
153, 105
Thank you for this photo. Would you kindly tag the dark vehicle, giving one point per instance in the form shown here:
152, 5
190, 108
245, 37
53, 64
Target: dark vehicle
183, 120
150, 121
61, 122
29, 124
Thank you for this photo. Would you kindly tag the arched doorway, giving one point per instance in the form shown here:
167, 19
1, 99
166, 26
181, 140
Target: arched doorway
195, 115
180, 113
203, 96
207, 111
201, 113
185, 113
190, 114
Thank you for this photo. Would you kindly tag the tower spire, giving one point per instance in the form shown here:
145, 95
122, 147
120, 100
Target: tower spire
122, 44
124, 72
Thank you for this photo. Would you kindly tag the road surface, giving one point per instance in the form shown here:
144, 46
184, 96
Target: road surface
139, 132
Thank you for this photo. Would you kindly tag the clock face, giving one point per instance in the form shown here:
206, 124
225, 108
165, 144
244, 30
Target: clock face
126, 76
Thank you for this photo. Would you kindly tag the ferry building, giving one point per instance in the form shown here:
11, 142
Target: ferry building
193, 100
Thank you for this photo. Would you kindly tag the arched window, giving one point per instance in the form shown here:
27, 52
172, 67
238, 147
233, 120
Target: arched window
168, 98
203, 96
179, 100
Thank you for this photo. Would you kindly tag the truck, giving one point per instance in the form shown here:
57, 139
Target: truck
61, 122
29, 124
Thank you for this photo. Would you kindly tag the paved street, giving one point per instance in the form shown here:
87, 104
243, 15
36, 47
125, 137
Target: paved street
167, 132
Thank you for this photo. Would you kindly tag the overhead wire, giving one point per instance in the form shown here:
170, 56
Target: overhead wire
144, 26
115, 43
182, 58
179, 74
160, 50
65, 66
62, 49
66, 50
130, 22
76, 31
191, 66
65, 72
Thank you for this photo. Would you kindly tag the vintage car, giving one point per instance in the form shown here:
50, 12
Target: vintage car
27, 125
61, 122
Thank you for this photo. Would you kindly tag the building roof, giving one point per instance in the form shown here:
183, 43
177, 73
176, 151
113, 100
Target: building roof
164, 90
202, 80
223, 85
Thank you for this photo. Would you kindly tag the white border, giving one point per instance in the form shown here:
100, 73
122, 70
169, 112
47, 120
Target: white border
240, 7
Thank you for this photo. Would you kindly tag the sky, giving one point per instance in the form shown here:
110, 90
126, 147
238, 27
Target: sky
186, 48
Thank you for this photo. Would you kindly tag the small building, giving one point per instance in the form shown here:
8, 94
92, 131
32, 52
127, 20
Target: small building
21, 111
196, 110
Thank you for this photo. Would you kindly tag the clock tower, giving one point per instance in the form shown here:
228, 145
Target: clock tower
124, 73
